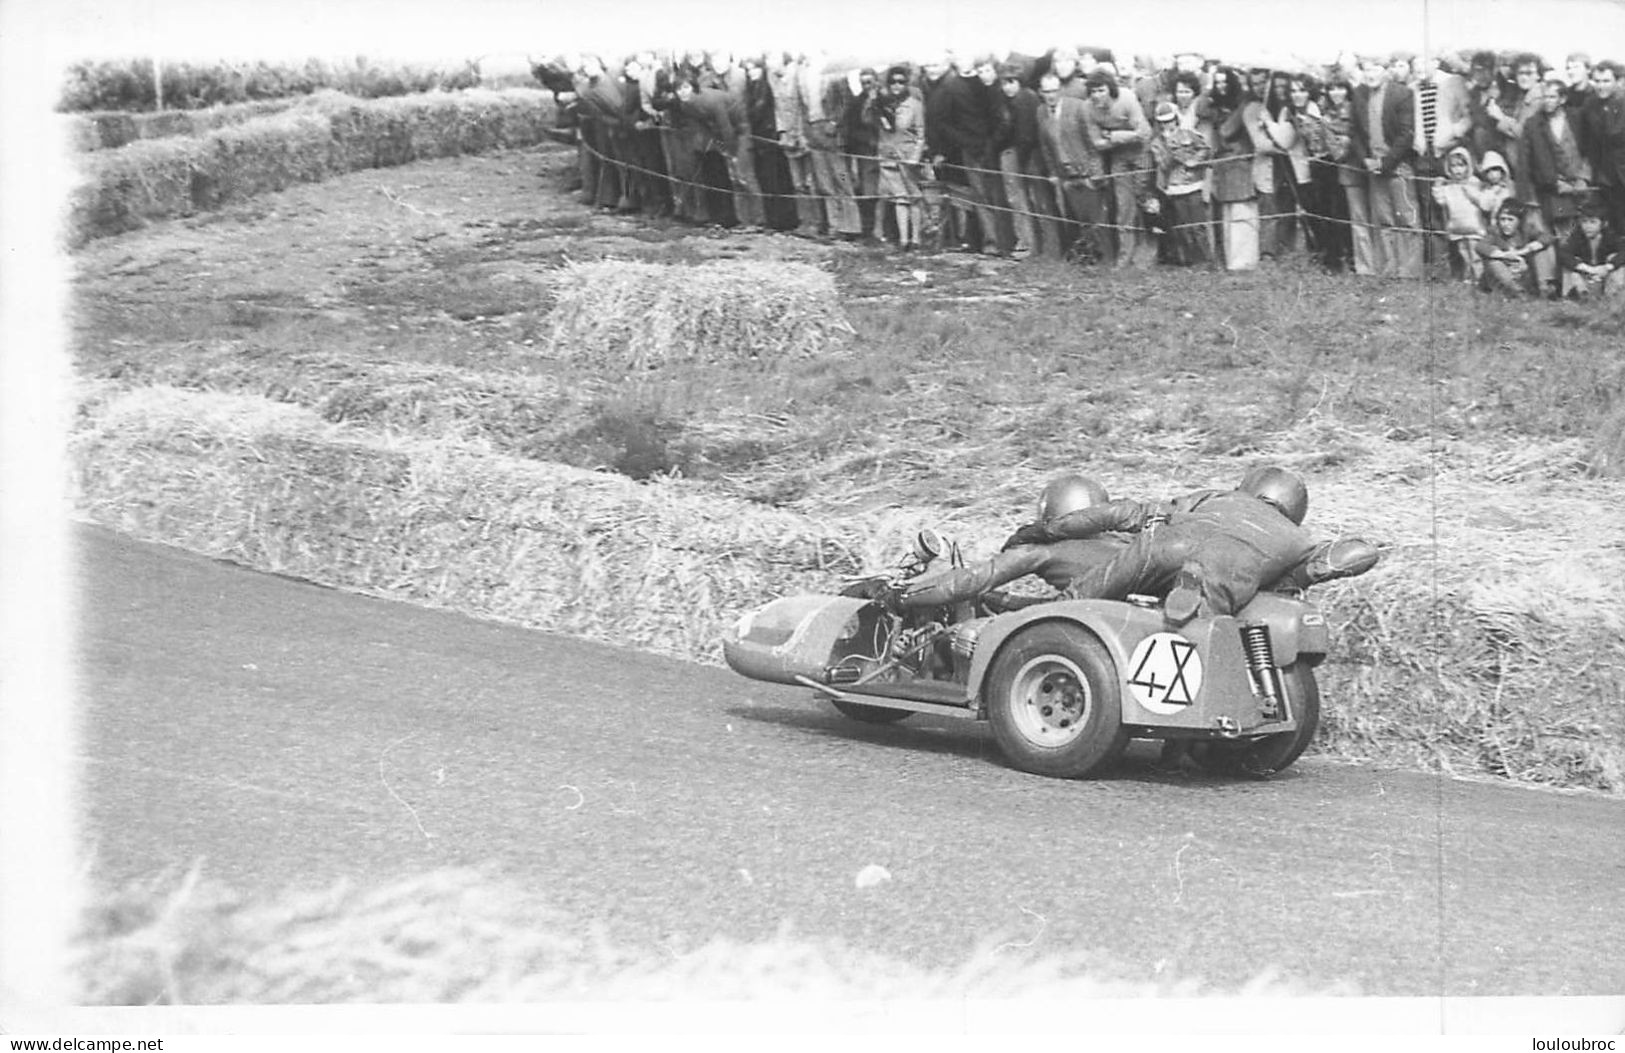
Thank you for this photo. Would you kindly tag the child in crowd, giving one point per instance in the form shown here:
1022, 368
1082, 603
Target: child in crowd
1517, 261
1181, 155
1591, 258
1496, 184
1460, 193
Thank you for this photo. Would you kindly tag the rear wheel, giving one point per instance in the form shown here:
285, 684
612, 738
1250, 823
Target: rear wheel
1052, 700
1271, 753
871, 714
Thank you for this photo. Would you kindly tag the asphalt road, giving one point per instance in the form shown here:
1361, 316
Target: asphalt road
290, 734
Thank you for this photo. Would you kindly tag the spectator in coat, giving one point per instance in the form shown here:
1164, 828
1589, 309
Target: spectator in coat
964, 141
790, 119
1120, 132
649, 188
860, 141
772, 167
1234, 192
601, 107
1340, 174
725, 126
1527, 73
899, 117
1279, 159
1591, 259
1607, 137
1484, 109
822, 108
1073, 162
1557, 171
1442, 121
1384, 135
1021, 161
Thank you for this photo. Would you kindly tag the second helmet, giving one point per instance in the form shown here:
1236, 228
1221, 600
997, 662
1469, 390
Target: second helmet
1068, 493
1278, 487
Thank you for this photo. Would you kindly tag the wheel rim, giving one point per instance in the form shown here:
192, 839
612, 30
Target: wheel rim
1051, 701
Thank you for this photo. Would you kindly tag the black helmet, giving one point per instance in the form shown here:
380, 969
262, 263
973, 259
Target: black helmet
1068, 493
1278, 487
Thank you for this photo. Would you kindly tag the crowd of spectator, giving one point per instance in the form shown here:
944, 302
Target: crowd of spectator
1493, 168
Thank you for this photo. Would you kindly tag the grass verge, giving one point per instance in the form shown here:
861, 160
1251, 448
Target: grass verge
472, 937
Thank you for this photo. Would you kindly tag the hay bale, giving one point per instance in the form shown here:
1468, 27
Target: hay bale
125, 189
326, 135
264, 155
271, 485
625, 314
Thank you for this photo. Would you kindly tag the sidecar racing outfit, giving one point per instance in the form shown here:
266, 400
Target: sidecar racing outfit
1211, 550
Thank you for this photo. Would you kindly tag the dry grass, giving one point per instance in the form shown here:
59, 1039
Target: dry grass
623, 314
472, 937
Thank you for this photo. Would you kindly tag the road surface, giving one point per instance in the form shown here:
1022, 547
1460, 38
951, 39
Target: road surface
289, 734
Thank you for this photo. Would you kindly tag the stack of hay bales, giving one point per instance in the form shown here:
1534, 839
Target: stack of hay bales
273, 486
632, 315
326, 135
112, 129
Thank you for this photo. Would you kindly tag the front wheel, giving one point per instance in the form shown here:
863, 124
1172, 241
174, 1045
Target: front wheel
1052, 700
1270, 753
871, 714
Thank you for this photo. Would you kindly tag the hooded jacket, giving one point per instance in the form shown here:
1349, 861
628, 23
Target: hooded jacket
1490, 195
1460, 198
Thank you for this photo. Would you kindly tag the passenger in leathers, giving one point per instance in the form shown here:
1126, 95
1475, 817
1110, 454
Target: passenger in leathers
1058, 563
1210, 551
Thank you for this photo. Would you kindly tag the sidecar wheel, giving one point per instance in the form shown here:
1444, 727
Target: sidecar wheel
1052, 700
871, 714
1272, 753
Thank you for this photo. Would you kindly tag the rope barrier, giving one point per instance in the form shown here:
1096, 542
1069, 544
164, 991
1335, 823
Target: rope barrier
1299, 212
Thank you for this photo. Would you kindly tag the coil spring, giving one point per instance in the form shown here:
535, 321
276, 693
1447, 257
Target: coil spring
1255, 640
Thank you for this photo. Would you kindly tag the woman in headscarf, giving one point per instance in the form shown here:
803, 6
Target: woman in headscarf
899, 115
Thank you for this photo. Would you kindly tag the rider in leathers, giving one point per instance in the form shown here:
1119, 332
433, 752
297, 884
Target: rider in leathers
1059, 563
1211, 550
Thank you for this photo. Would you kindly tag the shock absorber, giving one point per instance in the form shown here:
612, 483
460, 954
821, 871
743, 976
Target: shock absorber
1255, 641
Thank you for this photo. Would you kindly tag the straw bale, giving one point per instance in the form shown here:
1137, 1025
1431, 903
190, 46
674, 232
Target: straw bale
322, 136
621, 313
274, 486
264, 155
508, 411
124, 189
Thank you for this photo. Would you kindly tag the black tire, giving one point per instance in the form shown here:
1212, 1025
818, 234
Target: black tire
871, 714
1052, 700
1265, 756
